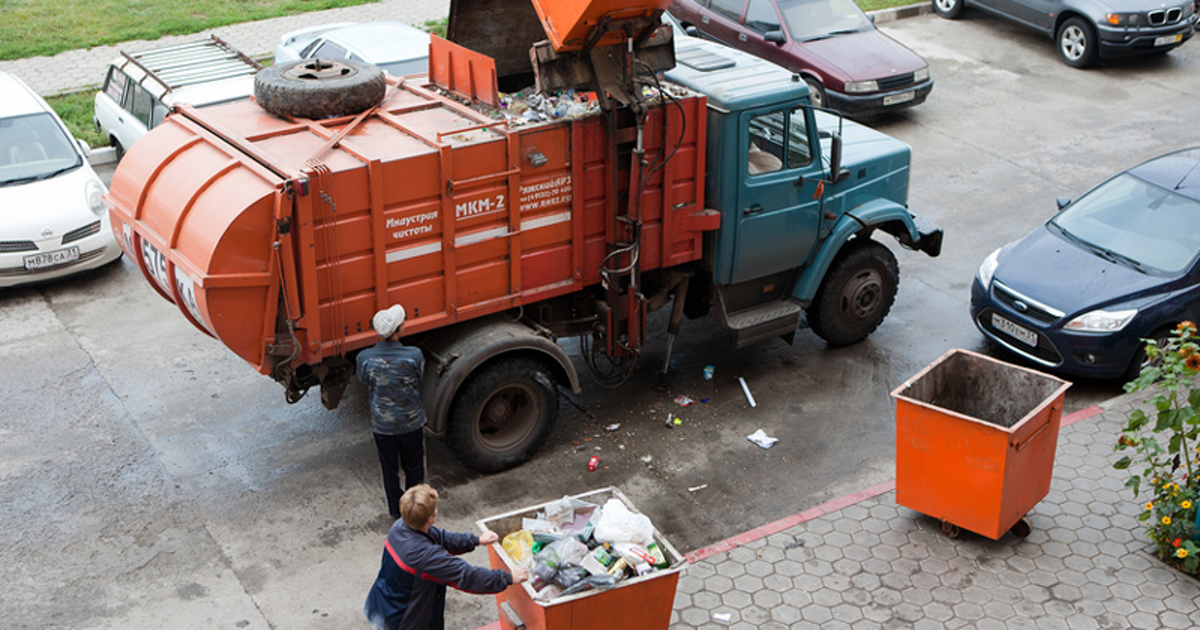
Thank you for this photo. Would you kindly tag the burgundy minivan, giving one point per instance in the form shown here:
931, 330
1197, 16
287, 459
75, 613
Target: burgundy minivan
848, 64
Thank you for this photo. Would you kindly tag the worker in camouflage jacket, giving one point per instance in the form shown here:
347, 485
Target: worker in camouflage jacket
392, 373
420, 561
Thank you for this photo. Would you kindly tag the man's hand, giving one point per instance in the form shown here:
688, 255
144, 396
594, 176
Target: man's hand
488, 538
520, 574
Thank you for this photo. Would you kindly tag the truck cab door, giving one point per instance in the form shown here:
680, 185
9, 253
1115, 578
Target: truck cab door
778, 203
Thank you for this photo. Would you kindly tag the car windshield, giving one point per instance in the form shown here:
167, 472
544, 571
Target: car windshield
34, 147
1134, 223
817, 19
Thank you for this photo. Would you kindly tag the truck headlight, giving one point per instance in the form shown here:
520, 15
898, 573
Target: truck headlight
858, 87
1101, 321
922, 75
988, 268
93, 194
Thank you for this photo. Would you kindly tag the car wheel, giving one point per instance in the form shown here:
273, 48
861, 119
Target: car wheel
857, 293
1077, 43
117, 147
950, 9
816, 92
319, 88
502, 415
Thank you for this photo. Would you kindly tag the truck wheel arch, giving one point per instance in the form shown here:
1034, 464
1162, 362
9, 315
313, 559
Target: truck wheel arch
458, 352
858, 223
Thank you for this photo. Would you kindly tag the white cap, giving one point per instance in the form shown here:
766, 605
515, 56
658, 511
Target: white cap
388, 321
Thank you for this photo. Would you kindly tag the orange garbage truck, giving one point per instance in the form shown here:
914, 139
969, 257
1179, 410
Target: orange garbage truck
280, 226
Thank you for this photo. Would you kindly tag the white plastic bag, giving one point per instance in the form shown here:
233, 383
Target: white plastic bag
619, 525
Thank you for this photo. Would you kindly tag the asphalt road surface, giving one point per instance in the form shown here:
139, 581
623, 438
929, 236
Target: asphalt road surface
151, 478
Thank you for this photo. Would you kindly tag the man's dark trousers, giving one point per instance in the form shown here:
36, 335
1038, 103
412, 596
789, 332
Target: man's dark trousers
407, 449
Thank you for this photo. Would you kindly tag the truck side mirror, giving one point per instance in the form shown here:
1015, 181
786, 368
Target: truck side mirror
1063, 202
836, 174
775, 37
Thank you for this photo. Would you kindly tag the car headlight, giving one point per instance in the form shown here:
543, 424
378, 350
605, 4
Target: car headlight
922, 75
93, 194
1123, 19
988, 268
858, 87
1101, 321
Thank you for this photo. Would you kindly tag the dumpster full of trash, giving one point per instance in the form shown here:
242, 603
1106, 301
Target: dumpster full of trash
975, 442
595, 562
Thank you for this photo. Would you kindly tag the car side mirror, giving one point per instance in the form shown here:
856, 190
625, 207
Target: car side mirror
691, 30
1063, 202
83, 146
775, 37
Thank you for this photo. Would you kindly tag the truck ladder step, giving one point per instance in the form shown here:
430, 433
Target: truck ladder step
773, 319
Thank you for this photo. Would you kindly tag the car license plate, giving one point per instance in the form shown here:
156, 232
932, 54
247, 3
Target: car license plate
1021, 333
1167, 39
50, 259
898, 98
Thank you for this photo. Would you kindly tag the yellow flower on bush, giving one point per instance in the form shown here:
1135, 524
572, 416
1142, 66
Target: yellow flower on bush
1187, 505
1166, 520
1181, 553
1150, 505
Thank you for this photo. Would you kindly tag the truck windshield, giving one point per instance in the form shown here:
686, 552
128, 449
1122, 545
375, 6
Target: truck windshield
769, 144
34, 147
817, 19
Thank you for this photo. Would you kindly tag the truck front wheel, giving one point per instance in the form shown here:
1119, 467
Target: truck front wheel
502, 415
856, 294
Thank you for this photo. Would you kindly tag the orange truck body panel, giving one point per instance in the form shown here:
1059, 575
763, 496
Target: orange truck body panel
249, 222
569, 23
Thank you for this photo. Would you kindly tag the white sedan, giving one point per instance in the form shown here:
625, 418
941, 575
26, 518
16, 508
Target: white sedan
52, 220
398, 48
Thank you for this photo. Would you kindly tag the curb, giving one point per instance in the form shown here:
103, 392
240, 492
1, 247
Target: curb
883, 16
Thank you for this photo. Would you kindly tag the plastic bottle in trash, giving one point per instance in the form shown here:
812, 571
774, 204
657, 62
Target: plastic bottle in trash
618, 568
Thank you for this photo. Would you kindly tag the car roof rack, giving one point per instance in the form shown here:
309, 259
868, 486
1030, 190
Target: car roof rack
195, 62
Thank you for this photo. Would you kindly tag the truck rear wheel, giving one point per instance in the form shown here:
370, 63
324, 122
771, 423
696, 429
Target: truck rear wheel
319, 88
856, 294
502, 415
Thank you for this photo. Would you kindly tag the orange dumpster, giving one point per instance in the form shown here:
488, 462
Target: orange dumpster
644, 602
975, 442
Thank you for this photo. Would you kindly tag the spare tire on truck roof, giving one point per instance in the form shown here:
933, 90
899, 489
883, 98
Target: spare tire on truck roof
319, 88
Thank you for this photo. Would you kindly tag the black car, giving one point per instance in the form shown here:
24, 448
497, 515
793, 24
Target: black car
1118, 265
1085, 30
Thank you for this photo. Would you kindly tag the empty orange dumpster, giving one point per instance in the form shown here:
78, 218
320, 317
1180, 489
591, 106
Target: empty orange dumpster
975, 441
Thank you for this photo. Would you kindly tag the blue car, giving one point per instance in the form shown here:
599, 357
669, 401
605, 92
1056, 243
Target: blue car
1119, 265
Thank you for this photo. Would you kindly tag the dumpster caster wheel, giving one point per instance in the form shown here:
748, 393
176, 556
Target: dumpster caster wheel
949, 530
1021, 528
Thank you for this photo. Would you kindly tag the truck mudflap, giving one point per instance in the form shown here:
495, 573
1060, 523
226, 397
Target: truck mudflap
929, 236
198, 221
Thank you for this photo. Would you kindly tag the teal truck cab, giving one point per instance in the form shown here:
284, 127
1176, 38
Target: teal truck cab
800, 192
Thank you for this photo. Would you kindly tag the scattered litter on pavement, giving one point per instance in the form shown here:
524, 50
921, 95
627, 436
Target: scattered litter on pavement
708, 372
683, 401
762, 439
796, 542
746, 389
699, 487
612, 427
647, 459
705, 400
593, 463
723, 617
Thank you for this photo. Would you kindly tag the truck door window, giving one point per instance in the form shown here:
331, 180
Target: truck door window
731, 9
776, 135
761, 16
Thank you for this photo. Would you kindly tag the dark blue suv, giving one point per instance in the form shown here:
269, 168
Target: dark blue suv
1085, 30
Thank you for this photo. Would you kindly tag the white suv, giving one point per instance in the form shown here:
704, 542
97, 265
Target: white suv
52, 220
140, 88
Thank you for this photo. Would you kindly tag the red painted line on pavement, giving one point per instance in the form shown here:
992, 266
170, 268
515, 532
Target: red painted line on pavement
791, 521
1082, 414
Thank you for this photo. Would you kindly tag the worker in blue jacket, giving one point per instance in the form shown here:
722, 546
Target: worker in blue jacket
420, 561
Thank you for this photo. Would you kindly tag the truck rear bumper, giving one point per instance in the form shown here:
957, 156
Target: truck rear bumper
930, 236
